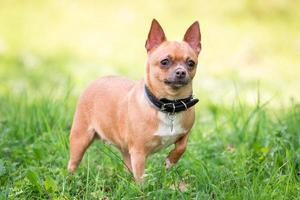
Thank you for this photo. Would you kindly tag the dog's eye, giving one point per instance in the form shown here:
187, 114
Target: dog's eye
165, 62
191, 63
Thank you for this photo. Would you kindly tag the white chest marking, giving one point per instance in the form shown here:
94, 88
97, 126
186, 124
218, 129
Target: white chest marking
168, 132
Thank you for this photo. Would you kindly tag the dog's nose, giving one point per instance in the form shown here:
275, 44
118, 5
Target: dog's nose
180, 73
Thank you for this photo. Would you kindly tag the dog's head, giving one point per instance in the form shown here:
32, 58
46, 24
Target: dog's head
171, 65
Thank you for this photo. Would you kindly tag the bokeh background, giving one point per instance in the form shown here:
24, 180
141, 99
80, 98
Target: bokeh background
245, 143
247, 45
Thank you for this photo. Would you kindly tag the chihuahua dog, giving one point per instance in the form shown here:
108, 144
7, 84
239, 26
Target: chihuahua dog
140, 118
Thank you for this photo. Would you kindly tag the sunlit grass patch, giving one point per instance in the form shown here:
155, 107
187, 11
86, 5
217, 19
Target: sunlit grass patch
234, 152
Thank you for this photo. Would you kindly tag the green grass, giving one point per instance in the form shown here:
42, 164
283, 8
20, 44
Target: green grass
236, 152
245, 144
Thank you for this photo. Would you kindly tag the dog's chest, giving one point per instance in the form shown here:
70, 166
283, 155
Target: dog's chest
169, 128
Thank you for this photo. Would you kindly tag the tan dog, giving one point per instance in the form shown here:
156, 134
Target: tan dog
142, 117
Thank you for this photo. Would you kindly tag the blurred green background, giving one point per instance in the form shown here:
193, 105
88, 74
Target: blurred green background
247, 45
245, 143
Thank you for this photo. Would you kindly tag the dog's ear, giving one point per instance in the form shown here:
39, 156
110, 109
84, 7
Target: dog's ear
193, 36
156, 36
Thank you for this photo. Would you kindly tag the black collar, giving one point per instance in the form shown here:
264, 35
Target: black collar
170, 106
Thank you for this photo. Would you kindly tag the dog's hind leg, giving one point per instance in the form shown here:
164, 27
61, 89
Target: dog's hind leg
80, 138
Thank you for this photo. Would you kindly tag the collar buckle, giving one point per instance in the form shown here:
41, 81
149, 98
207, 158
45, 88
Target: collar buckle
163, 107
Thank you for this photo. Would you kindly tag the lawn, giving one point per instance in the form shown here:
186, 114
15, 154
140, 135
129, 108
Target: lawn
245, 143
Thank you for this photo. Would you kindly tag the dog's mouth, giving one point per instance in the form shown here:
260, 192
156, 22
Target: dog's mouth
176, 83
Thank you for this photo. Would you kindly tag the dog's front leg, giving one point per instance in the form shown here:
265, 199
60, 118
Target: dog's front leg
138, 158
177, 152
127, 159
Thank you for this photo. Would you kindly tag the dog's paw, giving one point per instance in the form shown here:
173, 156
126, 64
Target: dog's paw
140, 180
71, 167
168, 163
